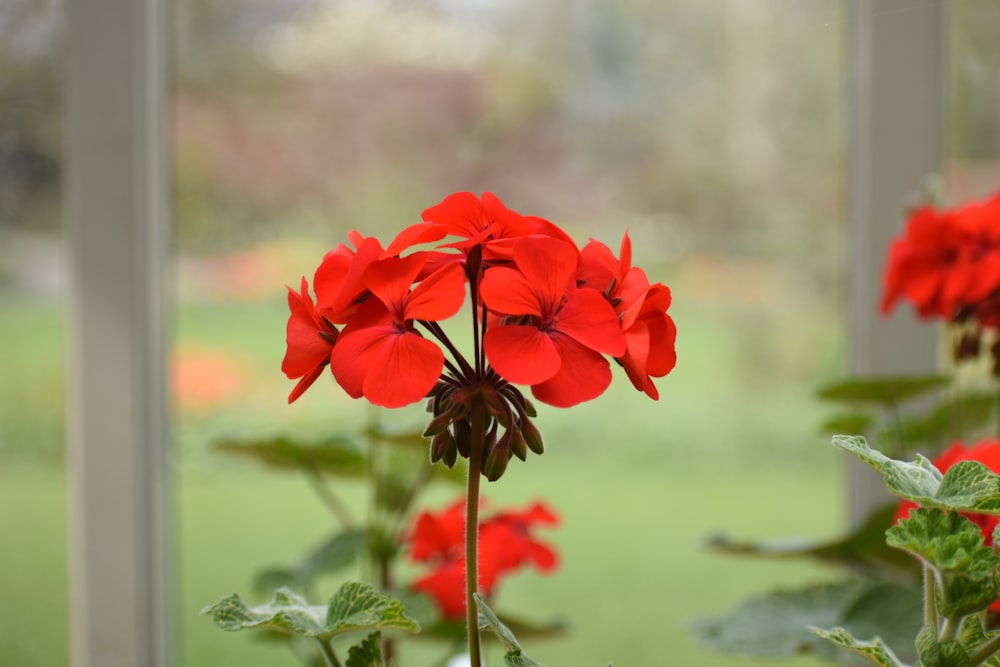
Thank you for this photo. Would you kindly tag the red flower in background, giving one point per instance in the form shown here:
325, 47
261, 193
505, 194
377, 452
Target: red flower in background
309, 339
986, 452
947, 262
506, 544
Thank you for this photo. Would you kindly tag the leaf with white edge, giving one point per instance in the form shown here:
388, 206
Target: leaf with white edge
953, 546
883, 390
908, 480
875, 650
366, 654
355, 606
967, 486
285, 612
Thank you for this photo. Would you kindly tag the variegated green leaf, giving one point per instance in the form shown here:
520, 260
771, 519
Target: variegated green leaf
356, 606
968, 486
875, 650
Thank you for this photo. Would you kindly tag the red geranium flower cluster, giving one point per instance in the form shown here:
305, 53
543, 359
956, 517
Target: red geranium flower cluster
506, 544
986, 452
545, 313
947, 264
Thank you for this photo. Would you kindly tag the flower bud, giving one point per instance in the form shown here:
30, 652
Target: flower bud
462, 431
516, 442
532, 437
437, 425
496, 462
444, 449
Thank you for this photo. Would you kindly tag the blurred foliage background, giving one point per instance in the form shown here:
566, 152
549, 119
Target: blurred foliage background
714, 132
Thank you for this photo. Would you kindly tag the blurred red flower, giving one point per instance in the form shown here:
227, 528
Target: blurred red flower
947, 261
506, 545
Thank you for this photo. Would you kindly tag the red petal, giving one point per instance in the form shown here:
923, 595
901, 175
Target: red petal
390, 279
505, 290
583, 375
548, 264
353, 354
306, 349
521, 354
340, 284
404, 371
590, 319
439, 295
306, 382
422, 232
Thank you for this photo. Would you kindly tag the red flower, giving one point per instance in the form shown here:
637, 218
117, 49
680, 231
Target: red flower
506, 544
986, 452
947, 261
309, 338
547, 332
379, 354
650, 333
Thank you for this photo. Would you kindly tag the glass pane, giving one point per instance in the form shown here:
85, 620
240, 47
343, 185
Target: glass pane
32, 287
686, 123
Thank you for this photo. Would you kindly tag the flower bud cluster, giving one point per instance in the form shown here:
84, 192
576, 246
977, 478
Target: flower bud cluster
508, 426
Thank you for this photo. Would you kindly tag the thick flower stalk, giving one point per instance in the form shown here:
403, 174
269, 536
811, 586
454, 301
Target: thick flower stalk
545, 316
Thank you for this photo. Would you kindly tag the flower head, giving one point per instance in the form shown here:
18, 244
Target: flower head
544, 315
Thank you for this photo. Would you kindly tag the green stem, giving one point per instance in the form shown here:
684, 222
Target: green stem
329, 498
472, 530
930, 602
950, 628
328, 655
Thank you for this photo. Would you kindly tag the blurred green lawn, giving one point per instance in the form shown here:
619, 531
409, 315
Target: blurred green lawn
731, 446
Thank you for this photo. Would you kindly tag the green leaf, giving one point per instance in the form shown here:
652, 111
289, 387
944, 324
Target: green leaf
355, 606
513, 654
934, 653
774, 625
366, 654
332, 555
953, 546
883, 391
336, 456
875, 650
863, 549
968, 486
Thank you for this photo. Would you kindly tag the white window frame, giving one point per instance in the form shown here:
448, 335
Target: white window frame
117, 202
895, 139
116, 211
